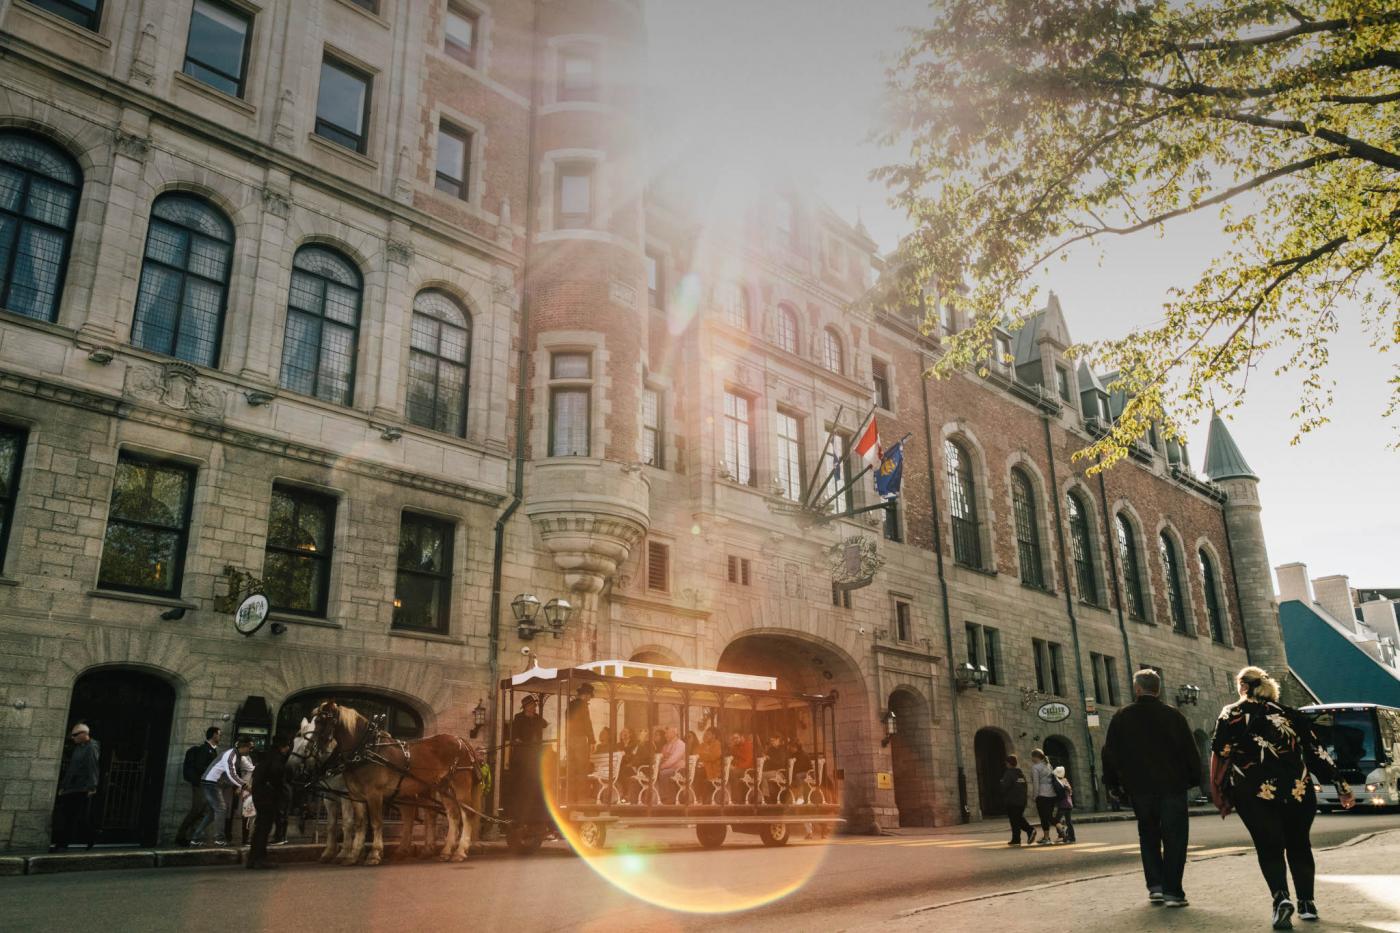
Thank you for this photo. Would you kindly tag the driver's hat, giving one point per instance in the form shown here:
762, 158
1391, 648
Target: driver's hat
529, 700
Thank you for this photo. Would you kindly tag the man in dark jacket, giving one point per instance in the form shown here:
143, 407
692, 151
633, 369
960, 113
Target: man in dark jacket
269, 780
1013, 798
1149, 754
198, 758
72, 817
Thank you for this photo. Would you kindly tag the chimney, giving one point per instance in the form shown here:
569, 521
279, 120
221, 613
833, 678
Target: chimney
1293, 583
1334, 595
1379, 614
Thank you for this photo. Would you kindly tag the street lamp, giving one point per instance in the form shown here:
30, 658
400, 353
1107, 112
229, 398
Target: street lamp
970, 675
526, 609
1188, 695
891, 727
478, 717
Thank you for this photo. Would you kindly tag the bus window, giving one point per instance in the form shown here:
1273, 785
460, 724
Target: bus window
1350, 736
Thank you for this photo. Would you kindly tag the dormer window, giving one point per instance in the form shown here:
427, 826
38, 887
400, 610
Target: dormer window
1062, 384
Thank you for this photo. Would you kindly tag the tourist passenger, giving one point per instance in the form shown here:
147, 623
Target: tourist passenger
1013, 797
741, 749
672, 763
1264, 758
1046, 800
774, 768
269, 778
1150, 754
605, 740
711, 758
220, 783
1064, 821
198, 758
72, 818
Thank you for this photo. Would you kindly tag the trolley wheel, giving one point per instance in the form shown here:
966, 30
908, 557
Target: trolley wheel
711, 835
774, 834
592, 836
524, 840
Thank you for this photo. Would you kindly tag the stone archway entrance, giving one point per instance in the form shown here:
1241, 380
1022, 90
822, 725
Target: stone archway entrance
129, 713
911, 759
989, 748
803, 665
1061, 754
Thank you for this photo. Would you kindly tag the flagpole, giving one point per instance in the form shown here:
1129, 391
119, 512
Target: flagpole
811, 489
832, 498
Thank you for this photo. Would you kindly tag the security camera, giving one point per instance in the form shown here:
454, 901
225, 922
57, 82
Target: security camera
862, 629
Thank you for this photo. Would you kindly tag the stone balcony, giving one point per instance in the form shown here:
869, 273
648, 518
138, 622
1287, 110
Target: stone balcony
589, 514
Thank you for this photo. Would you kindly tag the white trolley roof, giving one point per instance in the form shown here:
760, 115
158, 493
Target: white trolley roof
679, 675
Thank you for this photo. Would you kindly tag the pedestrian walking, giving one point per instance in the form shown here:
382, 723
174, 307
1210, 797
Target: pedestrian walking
1064, 821
1149, 755
269, 782
72, 818
1013, 798
1264, 759
1046, 797
198, 758
220, 783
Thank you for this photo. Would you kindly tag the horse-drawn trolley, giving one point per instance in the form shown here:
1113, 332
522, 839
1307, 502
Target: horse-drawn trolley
615, 744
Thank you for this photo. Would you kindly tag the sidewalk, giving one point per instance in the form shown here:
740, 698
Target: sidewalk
997, 824
1358, 888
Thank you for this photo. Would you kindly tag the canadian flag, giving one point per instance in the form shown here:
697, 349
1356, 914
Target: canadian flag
868, 445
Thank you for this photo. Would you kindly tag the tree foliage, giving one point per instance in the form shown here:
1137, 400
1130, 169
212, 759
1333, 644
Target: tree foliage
1036, 125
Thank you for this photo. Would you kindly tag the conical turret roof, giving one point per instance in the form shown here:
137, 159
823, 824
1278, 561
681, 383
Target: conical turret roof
1223, 457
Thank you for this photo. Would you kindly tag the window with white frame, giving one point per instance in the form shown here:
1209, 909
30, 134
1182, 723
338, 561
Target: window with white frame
738, 438
651, 427
880, 373
570, 408
833, 353
578, 73
788, 475
787, 329
460, 34
733, 300
573, 195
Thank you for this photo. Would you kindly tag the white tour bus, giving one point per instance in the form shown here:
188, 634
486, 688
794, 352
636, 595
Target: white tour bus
1364, 740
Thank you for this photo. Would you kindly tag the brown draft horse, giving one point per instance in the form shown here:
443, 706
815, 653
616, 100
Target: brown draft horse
439, 767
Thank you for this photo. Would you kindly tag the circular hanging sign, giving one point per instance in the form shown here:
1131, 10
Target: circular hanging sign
251, 614
1053, 712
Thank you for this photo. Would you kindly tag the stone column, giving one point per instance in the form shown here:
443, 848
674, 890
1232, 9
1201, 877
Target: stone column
1258, 610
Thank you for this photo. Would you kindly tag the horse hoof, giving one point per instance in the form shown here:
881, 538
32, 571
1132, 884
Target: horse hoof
459, 858
372, 860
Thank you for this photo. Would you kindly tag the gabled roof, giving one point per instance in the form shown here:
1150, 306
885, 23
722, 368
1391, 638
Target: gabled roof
1047, 324
1334, 668
1223, 457
1088, 381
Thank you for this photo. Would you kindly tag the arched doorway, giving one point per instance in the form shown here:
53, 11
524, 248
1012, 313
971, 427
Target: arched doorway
1061, 754
989, 748
911, 759
803, 665
401, 719
129, 713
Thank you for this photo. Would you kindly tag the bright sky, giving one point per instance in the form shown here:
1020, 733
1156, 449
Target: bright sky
798, 83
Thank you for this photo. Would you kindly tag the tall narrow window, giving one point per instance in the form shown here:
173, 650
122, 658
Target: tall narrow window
738, 570
39, 185
903, 623
12, 441
1096, 662
1132, 568
423, 585
1062, 383
454, 152
788, 475
216, 51
962, 504
738, 439
656, 281
651, 428
573, 195
1056, 669
658, 567
84, 13
836, 462
342, 105
460, 34
1209, 584
438, 363
890, 526
570, 404
991, 655
323, 326
840, 597
1171, 568
733, 300
1001, 353
184, 280
833, 354
1110, 676
880, 373
1082, 547
1027, 529
297, 567
787, 329
148, 527
1042, 665
578, 74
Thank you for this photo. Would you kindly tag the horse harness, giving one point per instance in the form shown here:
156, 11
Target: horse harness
375, 737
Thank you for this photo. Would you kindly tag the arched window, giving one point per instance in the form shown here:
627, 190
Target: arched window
734, 302
1209, 582
323, 325
962, 505
39, 186
833, 354
1132, 567
1171, 568
1027, 528
1083, 549
184, 280
787, 329
438, 363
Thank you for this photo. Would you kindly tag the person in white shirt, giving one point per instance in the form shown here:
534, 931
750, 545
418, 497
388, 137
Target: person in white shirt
221, 781
672, 761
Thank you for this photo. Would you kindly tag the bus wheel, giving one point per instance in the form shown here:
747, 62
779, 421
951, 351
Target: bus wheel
711, 835
592, 836
774, 834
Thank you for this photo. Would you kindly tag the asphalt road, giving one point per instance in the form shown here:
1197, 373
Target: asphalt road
643, 882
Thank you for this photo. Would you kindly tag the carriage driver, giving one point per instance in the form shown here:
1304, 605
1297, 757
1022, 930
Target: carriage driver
527, 748
579, 743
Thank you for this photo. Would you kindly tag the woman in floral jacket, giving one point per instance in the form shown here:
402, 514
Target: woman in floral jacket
1263, 752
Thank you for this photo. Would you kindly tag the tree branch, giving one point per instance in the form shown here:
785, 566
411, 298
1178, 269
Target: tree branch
1356, 147
1302, 29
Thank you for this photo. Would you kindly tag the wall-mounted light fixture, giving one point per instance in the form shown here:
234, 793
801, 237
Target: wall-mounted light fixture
527, 609
891, 727
969, 675
1188, 695
478, 718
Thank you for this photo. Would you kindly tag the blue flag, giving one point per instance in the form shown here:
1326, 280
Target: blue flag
891, 472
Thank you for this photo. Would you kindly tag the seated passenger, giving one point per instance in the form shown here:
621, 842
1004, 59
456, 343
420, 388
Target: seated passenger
712, 761
741, 747
672, 762
774, 768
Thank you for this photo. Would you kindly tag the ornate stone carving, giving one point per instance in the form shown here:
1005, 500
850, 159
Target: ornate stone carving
746, 376
399, 251
277, 203
176, 386
792, 581
131, 145
854, 562
622, 294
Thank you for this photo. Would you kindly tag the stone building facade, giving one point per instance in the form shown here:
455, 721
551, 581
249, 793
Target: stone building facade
370, 300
